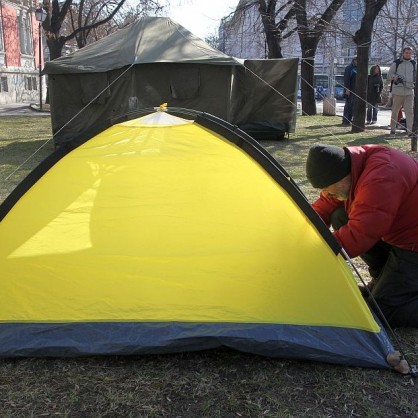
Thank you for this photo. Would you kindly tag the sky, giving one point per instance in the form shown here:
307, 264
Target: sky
201, 17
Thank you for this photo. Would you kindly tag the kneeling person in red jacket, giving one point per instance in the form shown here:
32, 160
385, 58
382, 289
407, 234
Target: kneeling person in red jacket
369, 194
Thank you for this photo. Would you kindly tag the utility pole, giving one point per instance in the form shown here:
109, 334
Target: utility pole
40, 14
414, 126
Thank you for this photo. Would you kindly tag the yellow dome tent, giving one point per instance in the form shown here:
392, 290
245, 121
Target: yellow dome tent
166, 234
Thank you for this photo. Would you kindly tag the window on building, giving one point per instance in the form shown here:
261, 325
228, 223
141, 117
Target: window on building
31, 83
4, 87
25, 34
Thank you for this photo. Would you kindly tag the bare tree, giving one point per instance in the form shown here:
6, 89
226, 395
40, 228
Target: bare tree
260, 24
311, 30
273, 27
213, 40
396, 26
362, 38
85, 16
278, 23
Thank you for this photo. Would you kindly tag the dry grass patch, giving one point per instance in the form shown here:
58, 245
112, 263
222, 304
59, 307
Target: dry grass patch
24, 142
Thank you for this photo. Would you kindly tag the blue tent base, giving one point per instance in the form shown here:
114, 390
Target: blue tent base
321, 344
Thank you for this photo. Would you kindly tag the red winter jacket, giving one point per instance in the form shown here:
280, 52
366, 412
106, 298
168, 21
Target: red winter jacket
383, 201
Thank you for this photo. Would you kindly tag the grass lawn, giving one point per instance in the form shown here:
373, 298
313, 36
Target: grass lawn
216, 383
24, 142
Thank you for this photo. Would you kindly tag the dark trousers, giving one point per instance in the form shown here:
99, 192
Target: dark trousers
348, 109
396, 274
371, 113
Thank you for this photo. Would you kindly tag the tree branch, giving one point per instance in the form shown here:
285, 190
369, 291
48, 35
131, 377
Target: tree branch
96, 24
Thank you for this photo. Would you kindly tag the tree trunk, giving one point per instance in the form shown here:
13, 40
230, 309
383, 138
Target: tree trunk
362, 39
273, 44
307, 80
55, 47
360, 94
310, 32
267, 11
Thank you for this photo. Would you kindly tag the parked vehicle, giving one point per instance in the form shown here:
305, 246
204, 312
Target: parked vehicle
324, 81
339, 92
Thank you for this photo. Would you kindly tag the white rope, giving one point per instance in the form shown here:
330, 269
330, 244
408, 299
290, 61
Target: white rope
66, 124
19, 167
303, 113
343, 252
377, 308
326, 129
92, 100
352, 92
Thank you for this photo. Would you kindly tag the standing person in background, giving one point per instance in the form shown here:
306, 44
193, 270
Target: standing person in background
350, 74
402, 74
319, 92
374, 90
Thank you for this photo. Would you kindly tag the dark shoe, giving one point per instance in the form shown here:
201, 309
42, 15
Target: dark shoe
373, 122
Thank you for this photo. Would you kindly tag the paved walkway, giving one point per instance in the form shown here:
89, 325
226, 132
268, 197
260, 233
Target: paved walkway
26, 109
383, 115
32, 109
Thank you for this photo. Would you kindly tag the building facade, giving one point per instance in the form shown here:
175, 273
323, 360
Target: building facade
20, 56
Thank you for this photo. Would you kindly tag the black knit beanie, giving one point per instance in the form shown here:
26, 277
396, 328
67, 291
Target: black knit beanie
327, 164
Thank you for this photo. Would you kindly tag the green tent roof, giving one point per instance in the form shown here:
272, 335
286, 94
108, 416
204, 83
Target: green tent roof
149, 40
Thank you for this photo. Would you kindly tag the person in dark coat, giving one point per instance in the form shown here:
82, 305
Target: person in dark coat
350, 74
374, 90
369, 194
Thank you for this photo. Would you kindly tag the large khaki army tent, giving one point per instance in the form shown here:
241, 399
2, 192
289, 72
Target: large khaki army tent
156, 60
166, 234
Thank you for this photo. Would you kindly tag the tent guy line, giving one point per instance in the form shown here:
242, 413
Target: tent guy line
128, 258
65, 124
412, 370
186, 37
323, 127
106, 88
